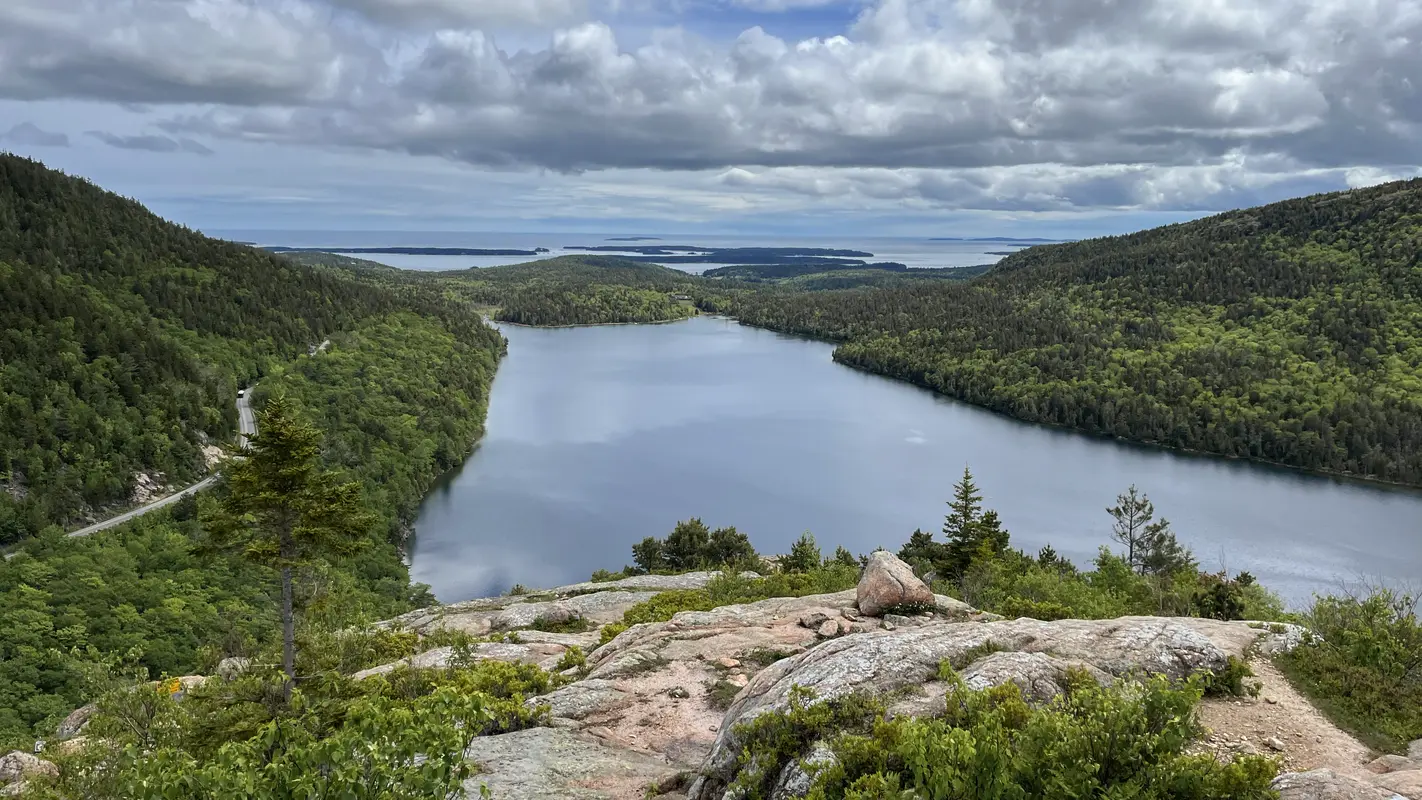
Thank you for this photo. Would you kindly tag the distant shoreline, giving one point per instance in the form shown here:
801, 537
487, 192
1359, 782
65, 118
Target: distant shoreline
410, 251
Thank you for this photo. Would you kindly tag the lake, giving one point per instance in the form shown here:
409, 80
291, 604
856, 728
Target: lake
598, 437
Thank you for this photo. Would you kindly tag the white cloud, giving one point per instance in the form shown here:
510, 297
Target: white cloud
467, 13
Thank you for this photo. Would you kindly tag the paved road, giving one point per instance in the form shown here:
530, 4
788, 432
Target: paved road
246, 427
246, 419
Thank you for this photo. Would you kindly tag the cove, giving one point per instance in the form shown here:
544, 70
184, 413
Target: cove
600, 436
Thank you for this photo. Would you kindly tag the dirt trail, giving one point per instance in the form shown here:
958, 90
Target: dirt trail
1280, 713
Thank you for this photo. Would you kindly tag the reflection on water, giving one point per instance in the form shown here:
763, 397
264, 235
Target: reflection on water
598, 437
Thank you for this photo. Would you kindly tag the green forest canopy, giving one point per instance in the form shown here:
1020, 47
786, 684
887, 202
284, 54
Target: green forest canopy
1289, 333
125, 338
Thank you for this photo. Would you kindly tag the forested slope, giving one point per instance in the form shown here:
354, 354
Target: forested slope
576, 290
125, 338
1289, 333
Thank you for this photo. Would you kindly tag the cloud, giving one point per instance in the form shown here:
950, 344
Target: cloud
1006, 104
29, 135
152, 143
232, 52
467, 13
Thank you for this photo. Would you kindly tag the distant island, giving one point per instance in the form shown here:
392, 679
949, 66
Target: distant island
412, 251
631, 239
758, 272
686, 254
999, 239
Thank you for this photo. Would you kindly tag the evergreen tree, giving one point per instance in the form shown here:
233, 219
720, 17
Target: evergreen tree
969, 530
1164, 554
804, 555
686, 546
648, 555
729, 547
921, 548
845, 558
965, 509
283, 510
1133, 513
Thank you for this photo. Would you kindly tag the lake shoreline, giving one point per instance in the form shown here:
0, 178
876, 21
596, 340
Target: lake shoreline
1344, 477
590, 324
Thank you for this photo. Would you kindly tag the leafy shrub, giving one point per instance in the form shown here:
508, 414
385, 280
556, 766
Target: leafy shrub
384, 748
1364, 666
1128, 740
1230, 682
729, 588
691, 546
574, 625
573, 658
967, 657
610, 631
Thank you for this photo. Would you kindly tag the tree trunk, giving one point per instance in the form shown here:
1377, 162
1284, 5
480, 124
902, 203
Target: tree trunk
288, 635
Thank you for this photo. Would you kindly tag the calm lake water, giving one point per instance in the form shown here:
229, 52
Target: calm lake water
598, 437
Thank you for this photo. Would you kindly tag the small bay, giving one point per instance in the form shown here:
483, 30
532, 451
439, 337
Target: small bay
600, 436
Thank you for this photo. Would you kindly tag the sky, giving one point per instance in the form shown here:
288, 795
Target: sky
877, 117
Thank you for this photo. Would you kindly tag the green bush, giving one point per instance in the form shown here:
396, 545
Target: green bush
610, 631
1363, 666
729, 588
692, 546
1124, 741
384, 748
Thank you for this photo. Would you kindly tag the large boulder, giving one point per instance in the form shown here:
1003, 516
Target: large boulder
1407, 783
1031, 653
887, 583
542, 763
1325, 784
20, 766
1391, 763
545, 655
658, 583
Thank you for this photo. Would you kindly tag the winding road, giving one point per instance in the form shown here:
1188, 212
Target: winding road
246, 428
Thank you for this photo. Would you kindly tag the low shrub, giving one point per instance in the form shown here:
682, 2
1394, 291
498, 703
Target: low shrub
729, 588
610, 631
1363, 666
1128, 740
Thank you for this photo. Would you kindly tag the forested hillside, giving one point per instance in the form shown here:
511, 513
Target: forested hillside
126, 338
1289, 333
576, 290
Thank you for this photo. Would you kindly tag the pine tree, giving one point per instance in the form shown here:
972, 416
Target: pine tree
804, 555
1164, 554
965, 508
1133, 513
921, 548
687, 545
968, 530
283, 510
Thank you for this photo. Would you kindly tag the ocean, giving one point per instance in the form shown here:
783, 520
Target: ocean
918, 252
